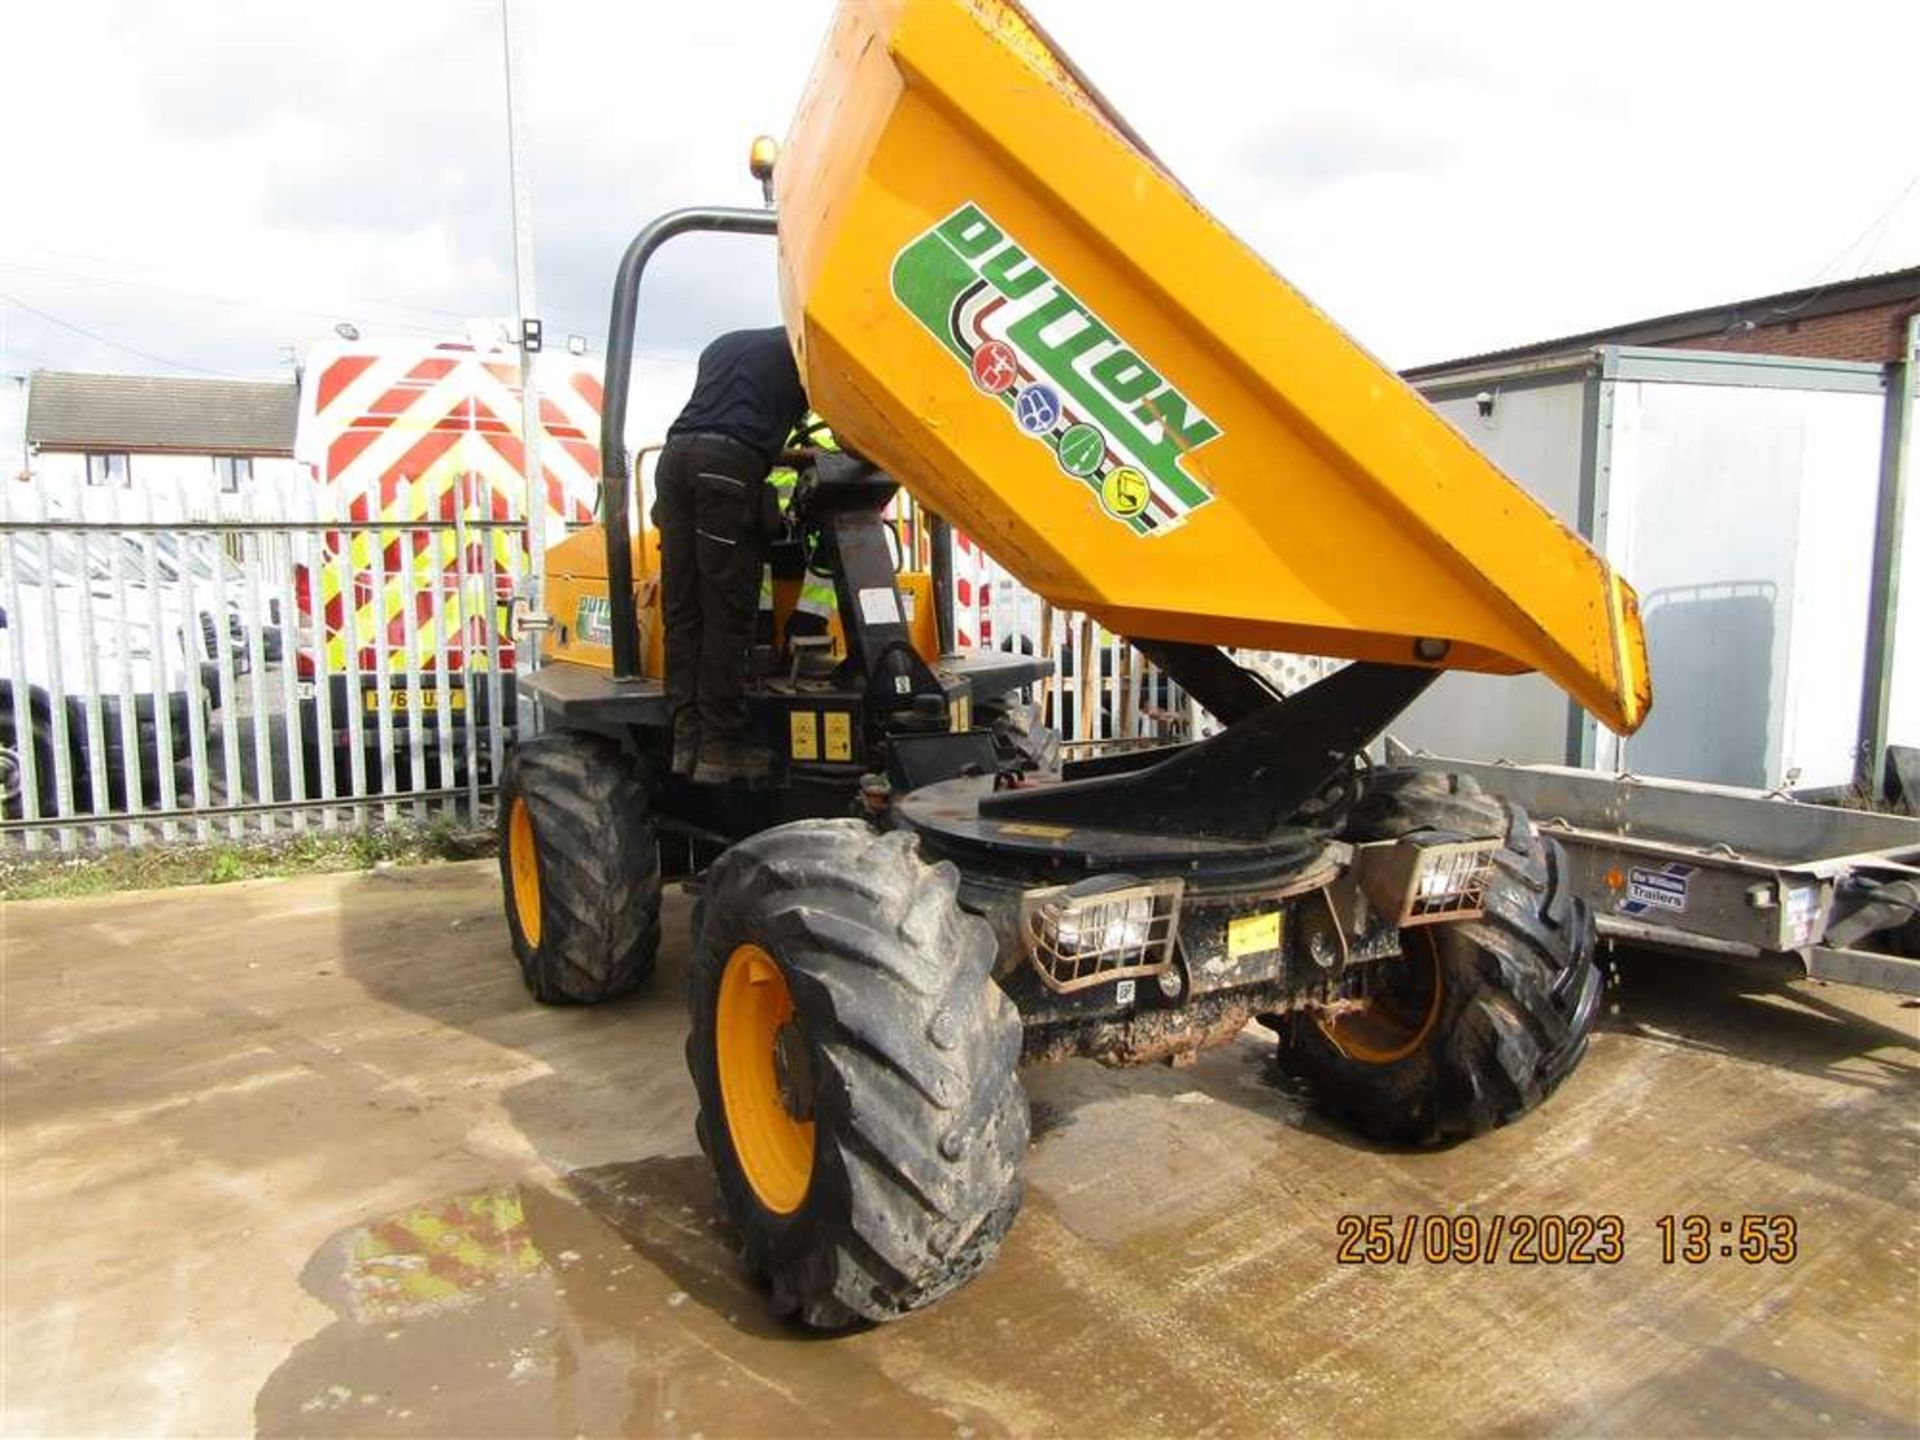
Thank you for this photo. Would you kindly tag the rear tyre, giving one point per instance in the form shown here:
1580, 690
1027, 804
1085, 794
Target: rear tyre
581, 868
13, 768
1477, 1022
855, 1065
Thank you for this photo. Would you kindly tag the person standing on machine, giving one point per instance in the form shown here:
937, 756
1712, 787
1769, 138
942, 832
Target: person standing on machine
716, 515
817, 598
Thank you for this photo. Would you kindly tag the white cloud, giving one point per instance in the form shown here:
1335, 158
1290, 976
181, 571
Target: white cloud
210, 182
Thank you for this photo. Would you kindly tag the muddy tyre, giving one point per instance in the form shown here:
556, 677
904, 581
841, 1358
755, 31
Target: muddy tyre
1477, 1022
855, 1065
580, 866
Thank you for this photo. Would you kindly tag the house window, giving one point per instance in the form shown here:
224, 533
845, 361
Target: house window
109, 470
231, 471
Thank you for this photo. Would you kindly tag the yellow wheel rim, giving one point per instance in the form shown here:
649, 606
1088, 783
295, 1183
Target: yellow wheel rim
524, 866
774, 1148
1391, 1027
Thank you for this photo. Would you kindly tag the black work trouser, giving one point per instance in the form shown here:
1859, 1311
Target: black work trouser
710, 512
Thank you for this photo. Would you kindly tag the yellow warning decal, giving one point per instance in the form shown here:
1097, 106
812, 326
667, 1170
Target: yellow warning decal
1251, 934
839, 735
1124, 492
804, 734
1039, 832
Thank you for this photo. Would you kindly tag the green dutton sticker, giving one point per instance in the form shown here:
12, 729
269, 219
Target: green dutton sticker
1022, 333
593, 620
1081, 450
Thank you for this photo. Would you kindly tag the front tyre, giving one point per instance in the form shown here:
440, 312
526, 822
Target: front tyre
1478, 1021
580, 866
855, 1065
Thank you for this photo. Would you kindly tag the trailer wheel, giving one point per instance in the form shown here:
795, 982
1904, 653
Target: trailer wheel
1480, 1020
580, 867
855, 1065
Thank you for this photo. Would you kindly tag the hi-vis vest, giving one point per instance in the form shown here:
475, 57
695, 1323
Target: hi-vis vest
816, 592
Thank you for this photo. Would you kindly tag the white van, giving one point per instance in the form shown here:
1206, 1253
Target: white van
59, 636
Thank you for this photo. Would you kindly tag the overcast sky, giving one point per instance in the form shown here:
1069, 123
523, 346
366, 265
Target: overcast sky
193, 187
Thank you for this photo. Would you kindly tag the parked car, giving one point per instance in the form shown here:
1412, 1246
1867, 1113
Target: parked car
57, 648
165, 560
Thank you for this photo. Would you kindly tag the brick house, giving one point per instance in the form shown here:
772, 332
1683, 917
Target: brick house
1864, 319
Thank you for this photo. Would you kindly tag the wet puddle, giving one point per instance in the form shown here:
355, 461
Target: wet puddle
515, 1311
1172, 1270
618, 1306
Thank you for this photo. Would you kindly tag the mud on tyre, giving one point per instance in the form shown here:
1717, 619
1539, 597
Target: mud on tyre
1477, 1022
855, 1065
580, 865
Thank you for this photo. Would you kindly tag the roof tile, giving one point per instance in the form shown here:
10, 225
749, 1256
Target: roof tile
145, 413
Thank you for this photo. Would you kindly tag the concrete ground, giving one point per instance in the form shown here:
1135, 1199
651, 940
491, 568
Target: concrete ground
301, 1157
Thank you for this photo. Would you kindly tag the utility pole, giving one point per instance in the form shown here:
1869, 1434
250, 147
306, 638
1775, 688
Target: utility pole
527, 327
1883, 593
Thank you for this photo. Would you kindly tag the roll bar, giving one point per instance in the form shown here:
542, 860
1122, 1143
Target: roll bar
615, 477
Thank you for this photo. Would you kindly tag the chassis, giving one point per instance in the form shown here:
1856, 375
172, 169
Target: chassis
918, 901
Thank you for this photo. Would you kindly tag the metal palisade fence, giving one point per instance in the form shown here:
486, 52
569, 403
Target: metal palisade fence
1103, 694
301, 659
292, 662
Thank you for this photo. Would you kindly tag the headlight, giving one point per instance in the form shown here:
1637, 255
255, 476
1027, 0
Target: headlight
1100, 929
1427, 877
1107, 925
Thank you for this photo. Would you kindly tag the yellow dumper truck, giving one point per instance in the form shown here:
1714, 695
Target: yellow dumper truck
1001, 301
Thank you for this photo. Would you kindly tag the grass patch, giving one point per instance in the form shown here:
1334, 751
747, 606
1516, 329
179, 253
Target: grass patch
159, 866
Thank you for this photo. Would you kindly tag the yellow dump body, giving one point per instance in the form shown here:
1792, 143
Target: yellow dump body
1002, 299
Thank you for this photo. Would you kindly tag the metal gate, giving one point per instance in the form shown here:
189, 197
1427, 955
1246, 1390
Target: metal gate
307, 663
249, 676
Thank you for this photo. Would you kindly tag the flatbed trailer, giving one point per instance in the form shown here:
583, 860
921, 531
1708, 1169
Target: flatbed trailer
1736, 873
